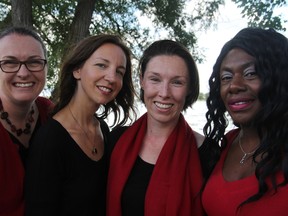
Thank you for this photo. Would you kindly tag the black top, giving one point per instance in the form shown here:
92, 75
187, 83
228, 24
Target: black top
133, 195
61, 179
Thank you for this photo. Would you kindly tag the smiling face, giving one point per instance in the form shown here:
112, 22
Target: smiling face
240, 85
101, 77
165, 85
23, 86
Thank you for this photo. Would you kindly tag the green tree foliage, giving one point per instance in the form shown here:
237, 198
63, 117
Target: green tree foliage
202, 96
62, 23
261, 12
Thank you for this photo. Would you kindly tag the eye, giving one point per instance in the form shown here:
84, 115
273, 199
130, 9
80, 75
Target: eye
35, 63
154, 79
225, 76
120, 72
178, 82
250, 74
101, 65
10, 63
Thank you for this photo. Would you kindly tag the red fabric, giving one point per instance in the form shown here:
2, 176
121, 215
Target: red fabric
221, 197
176, 179
12, 170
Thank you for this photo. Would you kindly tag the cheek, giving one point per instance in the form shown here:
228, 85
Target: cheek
41, 77
180, 96
223, 91
120, 82
257, 87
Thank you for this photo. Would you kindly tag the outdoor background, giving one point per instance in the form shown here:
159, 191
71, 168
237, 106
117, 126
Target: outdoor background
203, 26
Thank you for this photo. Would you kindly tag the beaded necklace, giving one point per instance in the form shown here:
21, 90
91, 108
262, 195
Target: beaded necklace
18, 131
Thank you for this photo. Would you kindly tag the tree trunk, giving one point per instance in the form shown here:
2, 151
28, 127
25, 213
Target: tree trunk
22, 13
82, 20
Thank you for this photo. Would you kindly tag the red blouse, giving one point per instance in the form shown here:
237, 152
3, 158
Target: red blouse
221, 197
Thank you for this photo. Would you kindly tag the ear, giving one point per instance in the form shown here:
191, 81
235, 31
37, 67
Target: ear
77, 74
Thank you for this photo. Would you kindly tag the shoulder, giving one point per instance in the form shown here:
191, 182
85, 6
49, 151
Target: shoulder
51, 130
230, 135
44, 102
45, 106
118, 131
49, 137
199, 138
114, 136
104, 127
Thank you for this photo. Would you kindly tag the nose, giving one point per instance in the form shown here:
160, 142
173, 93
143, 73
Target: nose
164, 90
110, 76
23, 71
237, 84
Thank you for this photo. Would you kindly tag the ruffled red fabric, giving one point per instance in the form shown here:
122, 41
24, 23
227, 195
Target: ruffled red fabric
176, 180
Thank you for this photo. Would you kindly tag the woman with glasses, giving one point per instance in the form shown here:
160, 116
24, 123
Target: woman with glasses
23, 72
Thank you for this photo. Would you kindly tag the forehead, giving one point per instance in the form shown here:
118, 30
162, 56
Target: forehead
20, 46
107, 48
111, 52
167, 64
236, 57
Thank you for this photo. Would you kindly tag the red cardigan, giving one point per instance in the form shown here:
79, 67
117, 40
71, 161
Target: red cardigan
12, 169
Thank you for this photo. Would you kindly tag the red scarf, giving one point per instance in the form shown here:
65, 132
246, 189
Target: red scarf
176, 180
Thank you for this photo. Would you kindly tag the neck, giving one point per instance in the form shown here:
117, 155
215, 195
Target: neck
17, 111
158, 129
249, 138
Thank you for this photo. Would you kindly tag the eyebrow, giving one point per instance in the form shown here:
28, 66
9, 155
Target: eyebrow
106, 60
158, 74
243, 66
29, 57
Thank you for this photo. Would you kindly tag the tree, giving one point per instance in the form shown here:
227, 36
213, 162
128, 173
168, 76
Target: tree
62, 23
22, 13
261, 13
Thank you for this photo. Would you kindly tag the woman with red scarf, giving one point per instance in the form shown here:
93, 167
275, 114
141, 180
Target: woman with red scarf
154, 166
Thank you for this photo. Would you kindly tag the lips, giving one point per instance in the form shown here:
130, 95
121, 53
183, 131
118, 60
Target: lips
240, 104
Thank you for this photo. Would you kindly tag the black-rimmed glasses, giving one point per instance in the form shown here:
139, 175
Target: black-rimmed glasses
13, 66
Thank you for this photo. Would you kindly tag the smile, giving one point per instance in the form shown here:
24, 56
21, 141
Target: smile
102, 88
163, 106
240, 105
23, 85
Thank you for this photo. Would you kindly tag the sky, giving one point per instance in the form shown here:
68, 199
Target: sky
230, 22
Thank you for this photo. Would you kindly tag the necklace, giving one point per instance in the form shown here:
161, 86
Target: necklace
246, 154
19, 131
94, 149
